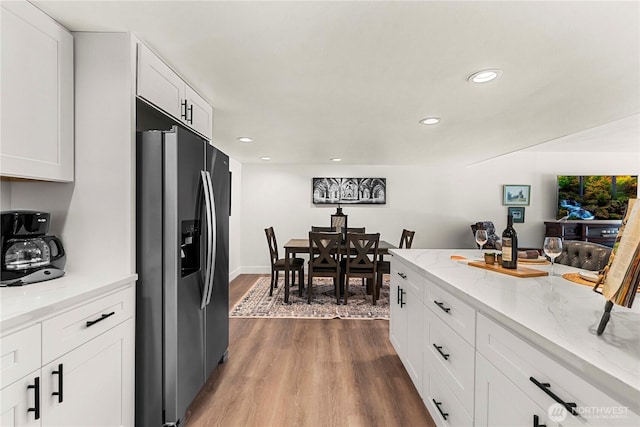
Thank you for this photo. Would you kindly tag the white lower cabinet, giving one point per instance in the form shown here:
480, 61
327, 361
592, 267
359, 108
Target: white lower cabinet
91, 380
501, 404
477, 372
546, 382
448, 353
95, 377
406, 321
17, 399
444, 407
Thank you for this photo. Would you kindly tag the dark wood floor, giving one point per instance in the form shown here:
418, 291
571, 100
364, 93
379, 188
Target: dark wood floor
299, 372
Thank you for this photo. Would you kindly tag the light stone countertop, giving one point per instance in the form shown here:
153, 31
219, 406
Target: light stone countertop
22, 305
555, 315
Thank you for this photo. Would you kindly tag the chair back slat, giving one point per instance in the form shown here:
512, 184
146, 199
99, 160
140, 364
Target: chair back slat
362, 251
407, 239
273, 245
356, 230
324, 250
317, 229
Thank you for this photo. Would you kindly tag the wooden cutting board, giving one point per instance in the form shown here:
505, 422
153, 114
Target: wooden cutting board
517, 272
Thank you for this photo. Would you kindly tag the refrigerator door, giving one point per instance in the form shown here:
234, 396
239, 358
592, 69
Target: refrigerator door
149, 289
217, 310
182, 269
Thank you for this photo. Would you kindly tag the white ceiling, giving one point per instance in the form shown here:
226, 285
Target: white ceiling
314, 80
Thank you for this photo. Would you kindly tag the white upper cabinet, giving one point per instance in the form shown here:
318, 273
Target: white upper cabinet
158, 84
162, 87
199, 113
37, 95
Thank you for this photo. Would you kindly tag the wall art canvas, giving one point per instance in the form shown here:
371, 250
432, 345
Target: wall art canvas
516, 195
350, 191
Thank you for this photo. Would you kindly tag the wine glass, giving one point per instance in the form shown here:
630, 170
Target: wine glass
552, 248
481, 239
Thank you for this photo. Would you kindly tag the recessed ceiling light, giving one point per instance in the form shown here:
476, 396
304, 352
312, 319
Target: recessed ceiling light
265, 158
484, 76
430, 121
245, 139
336, 159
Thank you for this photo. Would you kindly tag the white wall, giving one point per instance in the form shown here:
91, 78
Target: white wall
95, 215
439, 204
235, 220
5, 195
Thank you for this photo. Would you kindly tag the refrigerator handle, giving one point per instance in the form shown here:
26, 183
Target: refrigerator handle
214, 236
208, 270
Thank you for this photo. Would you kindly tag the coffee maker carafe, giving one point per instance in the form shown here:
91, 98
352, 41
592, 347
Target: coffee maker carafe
29, 255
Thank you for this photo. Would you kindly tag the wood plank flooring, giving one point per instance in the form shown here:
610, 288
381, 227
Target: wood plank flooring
300, 372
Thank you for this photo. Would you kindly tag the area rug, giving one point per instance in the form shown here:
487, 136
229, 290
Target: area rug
258, 304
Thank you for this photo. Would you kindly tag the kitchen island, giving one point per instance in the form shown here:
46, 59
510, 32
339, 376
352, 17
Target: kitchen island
515, 327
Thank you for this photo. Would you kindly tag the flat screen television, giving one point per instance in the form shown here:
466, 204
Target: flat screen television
592, 197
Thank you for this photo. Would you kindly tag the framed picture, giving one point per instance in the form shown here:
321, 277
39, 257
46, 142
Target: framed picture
517, 214
516, 195
350, 191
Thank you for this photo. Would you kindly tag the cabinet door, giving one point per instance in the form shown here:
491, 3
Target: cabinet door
415, 326
199, 114
37, 95
15, 401
97, 382
398, 321
158, 84
500, 403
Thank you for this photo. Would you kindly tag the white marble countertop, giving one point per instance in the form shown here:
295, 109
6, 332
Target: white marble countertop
555, 315
21, 305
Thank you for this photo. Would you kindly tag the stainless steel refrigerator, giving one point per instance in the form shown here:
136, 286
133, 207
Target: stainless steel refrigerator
182, 318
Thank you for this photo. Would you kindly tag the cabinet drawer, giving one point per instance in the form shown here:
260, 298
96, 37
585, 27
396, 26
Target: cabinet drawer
407, 278
454, 359
74, 327
442, 403
520, 362
19, 354
456, 314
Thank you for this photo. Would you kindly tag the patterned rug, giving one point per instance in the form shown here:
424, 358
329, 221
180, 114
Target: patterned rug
258, 303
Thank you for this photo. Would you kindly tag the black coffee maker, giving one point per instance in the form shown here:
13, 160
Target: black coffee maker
28, 254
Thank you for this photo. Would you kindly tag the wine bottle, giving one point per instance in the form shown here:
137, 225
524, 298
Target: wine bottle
509, 245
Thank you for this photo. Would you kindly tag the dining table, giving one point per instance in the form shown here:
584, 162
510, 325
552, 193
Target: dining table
301, 246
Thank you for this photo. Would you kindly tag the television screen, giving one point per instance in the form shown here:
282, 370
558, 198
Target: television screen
588, 197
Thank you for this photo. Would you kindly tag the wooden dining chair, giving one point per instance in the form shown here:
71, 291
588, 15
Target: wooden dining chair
324, 260
277, 264
317, 229
361, 260
357, 230
384, 267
